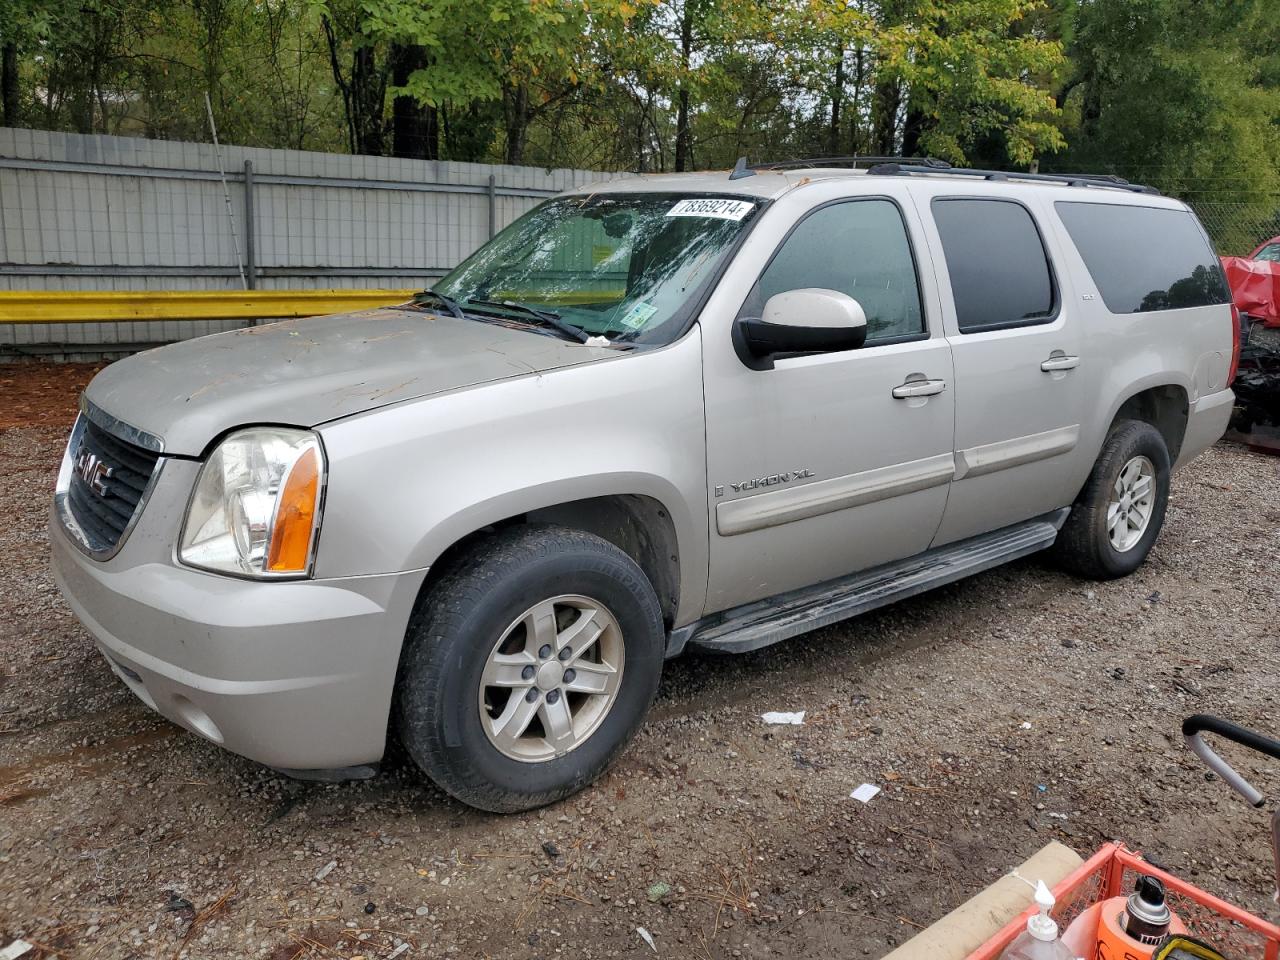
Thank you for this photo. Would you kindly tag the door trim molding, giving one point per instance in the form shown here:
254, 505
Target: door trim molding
990, 457
838, 493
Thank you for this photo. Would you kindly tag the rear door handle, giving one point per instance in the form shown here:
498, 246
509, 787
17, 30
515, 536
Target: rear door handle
1060, 363
918, 388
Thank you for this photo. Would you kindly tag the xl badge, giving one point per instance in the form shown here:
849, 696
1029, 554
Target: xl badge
769, 481
94, 472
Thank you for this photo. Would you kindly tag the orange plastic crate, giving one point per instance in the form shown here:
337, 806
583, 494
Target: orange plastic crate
1235, 933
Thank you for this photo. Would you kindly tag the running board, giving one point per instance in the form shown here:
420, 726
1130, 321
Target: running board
766, 622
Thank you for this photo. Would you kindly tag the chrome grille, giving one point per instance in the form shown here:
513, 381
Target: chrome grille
107, 482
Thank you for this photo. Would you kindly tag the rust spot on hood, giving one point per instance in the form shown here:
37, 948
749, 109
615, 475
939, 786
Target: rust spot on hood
214, 384
373, 393
387, 336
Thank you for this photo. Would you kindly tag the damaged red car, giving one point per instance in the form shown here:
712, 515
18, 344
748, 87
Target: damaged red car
1255, 290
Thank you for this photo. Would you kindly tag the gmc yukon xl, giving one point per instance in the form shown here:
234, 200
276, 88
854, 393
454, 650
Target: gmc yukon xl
704, 411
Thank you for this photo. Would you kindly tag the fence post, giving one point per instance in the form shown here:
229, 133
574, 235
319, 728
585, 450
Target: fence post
250, 267
493, 206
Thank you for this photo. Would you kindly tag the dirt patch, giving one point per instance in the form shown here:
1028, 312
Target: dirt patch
42, 394
125, 837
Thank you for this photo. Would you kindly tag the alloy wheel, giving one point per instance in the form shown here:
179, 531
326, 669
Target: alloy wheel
1132, 503
551, 679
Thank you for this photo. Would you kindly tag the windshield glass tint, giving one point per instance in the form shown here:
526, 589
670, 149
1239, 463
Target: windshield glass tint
625, 266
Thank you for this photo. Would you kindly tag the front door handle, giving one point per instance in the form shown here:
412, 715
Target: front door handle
1060, 363
919, 388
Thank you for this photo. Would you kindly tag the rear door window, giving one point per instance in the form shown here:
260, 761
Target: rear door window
1145, 258
1000, 275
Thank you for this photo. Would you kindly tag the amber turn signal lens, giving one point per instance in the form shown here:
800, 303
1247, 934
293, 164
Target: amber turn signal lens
295, 516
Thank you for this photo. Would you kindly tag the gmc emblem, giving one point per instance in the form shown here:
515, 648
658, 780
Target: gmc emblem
94, 472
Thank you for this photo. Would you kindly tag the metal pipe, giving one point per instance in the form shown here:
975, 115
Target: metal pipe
272, 179
226, 192
250, 268
493, 206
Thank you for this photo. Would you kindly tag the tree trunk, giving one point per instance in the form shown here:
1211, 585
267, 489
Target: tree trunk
684, 139
884, 115
331, 40
912, 129
362, 93
9, 85
367, 89
683, 145
1090, 106
855, 103
212, 16
642, 119
837, 101
415, 127
81, 107
516, 101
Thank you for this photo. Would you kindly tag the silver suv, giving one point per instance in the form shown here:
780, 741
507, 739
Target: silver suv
709, 411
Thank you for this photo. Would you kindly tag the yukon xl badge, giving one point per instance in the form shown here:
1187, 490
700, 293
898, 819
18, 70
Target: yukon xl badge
769, 481
94, 472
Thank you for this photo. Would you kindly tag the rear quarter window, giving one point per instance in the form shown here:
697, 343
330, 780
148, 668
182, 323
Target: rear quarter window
1145, 258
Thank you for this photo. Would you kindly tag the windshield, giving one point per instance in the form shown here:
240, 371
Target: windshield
1270, 252
622, 266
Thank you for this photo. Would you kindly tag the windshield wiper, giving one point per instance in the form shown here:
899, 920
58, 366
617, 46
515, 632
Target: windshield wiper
450, 305
546, 317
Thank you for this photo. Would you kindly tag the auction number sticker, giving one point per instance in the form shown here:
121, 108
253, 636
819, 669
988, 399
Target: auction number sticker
718, 208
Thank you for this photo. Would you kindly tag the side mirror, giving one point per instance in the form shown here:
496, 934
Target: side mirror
810, 320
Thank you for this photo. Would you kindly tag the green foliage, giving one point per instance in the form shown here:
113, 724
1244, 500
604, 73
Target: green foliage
143, 67
1181, 93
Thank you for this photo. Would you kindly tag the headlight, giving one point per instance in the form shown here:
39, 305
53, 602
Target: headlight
256, 507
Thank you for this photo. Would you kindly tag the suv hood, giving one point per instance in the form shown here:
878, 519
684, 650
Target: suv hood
306, 372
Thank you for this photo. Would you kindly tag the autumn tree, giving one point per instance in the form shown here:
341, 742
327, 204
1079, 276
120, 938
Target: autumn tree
937, 77
1178, 92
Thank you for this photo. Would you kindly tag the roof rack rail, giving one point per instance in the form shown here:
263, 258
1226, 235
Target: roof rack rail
894, 168
851, 160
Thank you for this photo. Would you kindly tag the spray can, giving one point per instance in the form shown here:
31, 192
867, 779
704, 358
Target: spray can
1130, 928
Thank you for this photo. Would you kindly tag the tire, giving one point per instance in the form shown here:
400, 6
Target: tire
493, 606
1086, 545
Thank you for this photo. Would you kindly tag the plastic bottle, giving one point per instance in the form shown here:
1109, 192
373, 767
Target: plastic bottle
1040, 940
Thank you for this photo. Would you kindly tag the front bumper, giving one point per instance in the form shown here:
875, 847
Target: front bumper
295, 675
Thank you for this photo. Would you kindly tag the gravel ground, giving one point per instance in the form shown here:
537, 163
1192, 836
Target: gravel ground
124, 836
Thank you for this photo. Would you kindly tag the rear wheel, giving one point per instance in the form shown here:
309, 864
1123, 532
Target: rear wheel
529, 667
1117, 517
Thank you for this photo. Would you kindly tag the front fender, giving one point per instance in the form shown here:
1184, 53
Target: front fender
408, 481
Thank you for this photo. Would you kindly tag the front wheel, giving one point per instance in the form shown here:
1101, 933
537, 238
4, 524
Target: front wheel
1117, 517
529, 667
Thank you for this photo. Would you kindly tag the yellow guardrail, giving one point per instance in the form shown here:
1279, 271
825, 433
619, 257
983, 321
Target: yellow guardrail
41, 306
